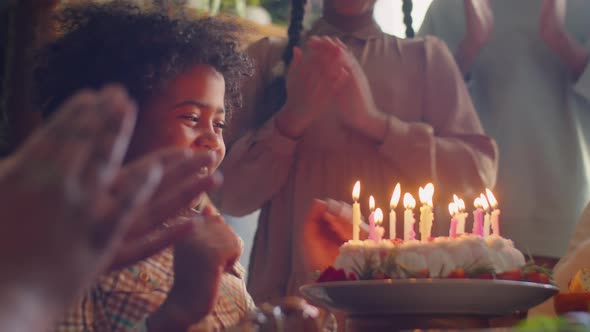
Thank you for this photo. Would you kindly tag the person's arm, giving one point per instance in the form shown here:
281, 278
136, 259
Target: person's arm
259, 163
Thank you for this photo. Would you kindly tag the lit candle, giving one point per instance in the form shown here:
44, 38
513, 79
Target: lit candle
356, 211
453, 210
477, 217
426, 215
495, 212
409, 204
372, 218
379, 230
461, 215
392, 216
486, 217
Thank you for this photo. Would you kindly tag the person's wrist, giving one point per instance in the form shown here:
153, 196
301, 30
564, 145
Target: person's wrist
288, 124
375, 126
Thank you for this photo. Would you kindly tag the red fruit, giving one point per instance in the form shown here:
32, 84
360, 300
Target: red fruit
515, 275
352, 276
331, 274
457, 274
544, 278
325, 276
533, 276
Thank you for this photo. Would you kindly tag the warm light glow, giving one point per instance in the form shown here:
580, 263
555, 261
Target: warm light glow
378, 216
356, 191
409, 201
453, 210
491, 199
459, 203
425, 194
477, 203
484, 202
371, 203
397, 193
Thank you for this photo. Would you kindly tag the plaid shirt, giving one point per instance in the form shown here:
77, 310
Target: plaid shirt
122, 300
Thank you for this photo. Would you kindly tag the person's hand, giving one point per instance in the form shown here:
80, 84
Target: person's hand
355, 104
180, 185
60, 225
479, 28
552, 31
199, 262
328, 225
313, 78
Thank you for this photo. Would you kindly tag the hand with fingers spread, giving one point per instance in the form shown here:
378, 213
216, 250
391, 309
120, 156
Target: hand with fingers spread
148, 234
200, 260
61, 227
314, 76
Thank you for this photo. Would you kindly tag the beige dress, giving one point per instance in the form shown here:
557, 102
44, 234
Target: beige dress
434, 135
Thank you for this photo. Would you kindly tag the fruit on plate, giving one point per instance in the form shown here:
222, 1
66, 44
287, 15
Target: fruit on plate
580, 282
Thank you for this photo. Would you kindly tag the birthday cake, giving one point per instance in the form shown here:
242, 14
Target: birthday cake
482, 254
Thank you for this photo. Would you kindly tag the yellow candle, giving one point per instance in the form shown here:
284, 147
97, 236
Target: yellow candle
495, 218
392, 216
461, 214
356, 211
409, 204
426, 216
486, 217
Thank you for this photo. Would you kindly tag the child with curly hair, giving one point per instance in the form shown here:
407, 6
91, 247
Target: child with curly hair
184, 74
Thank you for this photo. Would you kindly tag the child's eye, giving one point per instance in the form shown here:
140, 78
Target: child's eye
220, 125
191, 118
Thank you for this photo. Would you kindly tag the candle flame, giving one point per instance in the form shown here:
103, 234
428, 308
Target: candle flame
378, 216
395, 197
484, 202
477, 203
459, 203
491, 199
453, 210
409, 201
356, 191
425, 194
371, 203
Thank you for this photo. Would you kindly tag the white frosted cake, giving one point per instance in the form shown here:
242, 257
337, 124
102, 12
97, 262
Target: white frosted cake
460, 257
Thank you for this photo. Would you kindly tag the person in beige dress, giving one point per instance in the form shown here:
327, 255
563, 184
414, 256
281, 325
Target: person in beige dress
397, 111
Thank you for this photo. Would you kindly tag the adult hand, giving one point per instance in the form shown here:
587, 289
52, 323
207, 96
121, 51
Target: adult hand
355, 104
199, 262
60, 225
180, 185
328, 225
552, 31
479, 27
312, 80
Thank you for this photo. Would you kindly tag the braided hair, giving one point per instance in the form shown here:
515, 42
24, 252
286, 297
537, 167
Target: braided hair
407, 10
275, 94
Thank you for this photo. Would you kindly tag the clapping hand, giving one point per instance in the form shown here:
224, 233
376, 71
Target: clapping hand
552, 31
314, 76
479, 27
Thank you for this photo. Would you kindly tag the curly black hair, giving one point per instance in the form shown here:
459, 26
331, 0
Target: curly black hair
138, 48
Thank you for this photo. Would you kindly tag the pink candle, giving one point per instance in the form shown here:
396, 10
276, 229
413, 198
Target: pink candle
478, 218
453, 211
379, 230
495, 217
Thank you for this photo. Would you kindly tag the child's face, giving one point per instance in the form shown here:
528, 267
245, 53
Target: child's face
350, 7
189, 113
